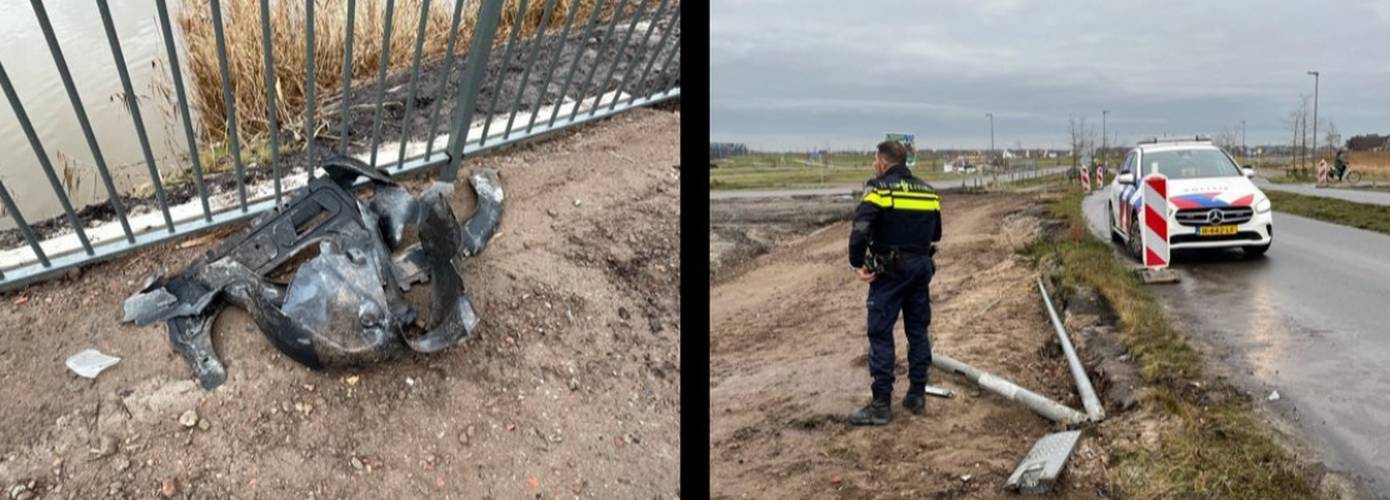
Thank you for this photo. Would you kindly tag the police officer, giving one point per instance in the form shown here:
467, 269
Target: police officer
897, 224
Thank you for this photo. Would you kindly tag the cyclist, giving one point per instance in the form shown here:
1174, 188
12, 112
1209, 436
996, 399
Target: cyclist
1341, 164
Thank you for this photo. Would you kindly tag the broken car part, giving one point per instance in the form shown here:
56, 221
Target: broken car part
1039, 470
1089, 400
940, 392
343, 303
1053, 410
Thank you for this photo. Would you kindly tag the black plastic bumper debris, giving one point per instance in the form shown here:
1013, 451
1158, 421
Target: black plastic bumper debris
343, 304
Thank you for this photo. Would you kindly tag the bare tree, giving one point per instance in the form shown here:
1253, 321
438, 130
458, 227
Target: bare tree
1333, 137
1076, 133
1298, 125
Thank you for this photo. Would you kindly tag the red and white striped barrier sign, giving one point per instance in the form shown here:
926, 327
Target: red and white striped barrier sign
1100, 176
1085, 179
1155, 221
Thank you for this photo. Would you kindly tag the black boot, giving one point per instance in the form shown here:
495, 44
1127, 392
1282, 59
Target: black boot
916, 399
878, 412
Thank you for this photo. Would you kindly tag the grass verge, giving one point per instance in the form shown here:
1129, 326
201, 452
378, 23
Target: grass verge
1348, 213
1211, 447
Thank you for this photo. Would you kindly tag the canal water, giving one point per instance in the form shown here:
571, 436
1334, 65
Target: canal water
33, 71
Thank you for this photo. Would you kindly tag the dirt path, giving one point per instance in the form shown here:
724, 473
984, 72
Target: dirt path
569, 390
788, 361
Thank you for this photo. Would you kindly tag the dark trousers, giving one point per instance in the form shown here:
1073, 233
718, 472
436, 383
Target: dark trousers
905, 289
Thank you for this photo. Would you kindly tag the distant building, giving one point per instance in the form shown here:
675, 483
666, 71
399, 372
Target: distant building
1369, 142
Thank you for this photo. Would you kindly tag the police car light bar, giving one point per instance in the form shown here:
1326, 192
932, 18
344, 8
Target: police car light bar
1156, 140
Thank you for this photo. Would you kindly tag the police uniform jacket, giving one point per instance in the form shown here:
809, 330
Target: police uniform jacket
898, 212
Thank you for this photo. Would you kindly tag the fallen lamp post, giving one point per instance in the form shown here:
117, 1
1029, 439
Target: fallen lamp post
1040, 404
1094, 410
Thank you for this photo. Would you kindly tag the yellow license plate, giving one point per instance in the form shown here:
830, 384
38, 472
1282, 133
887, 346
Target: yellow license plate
1216, 230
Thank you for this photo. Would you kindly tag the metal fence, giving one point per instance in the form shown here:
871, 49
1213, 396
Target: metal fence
649, 73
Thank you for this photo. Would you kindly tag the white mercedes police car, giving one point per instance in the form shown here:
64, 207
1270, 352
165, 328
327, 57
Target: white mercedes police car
1211, 201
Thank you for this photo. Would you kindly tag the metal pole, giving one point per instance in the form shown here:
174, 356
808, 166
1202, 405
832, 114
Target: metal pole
1243, 151
598, 58
618, 57
270, 97
81, 111
309, 129
1315, 112
478, 50
183, 107
132, 105
661, 45
515, 31
228, 103
414, 82
24, 228
347, 77
1103, 137
44, 162
574, 63
448, 70
641, 54
990, 160
1094, 410
550, 69
1048, 408
381, 79
530, 62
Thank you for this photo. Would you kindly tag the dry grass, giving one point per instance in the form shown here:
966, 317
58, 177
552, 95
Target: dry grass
1212, 443
242, 31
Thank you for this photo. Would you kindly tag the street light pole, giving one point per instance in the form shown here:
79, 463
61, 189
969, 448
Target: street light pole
1243, 152
991, 137
1315, 113
1103, 136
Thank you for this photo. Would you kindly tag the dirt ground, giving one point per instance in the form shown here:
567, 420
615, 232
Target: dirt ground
568, 389
788, 362
743, 229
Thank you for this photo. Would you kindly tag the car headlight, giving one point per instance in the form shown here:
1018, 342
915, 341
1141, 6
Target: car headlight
1262, 206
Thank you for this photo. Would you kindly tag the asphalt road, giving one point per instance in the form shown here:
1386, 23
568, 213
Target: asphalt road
942, 185
1357, 195
1311, 320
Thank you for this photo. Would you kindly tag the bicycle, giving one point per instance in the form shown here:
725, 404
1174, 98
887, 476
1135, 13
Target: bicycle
1351, 177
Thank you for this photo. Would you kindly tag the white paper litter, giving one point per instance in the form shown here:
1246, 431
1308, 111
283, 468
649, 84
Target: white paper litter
90, 362
1273, 396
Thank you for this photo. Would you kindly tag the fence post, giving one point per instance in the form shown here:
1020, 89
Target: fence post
478, 50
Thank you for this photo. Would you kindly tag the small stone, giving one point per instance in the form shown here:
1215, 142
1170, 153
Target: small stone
168, 488
203, 424
577, 202
574, 384
351, 380
355, 463
121, 464
1273, 396
551, 212
836, 480
410, 381
189, 419
463, 438
105, 447
966, 478
24, 495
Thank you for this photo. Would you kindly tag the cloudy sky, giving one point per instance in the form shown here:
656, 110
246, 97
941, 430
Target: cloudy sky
790, 74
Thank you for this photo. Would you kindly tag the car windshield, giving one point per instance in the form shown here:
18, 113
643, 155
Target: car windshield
1190, 164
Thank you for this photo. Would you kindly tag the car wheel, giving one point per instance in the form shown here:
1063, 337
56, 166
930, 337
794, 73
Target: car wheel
1136, 247
1110, 223
1255, 251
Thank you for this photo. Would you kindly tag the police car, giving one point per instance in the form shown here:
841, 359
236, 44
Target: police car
1211, 201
